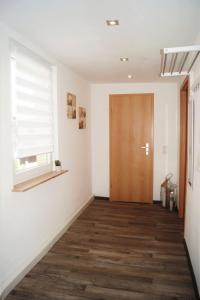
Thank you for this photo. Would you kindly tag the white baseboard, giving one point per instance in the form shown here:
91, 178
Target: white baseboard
16, 278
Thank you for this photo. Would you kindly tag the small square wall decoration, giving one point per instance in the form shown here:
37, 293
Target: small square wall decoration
82, 117
71, 106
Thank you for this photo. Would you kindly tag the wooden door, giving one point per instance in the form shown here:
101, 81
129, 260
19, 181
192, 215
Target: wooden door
131, 165
183, 147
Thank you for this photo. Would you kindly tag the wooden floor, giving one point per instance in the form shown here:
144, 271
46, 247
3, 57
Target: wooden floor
114, 251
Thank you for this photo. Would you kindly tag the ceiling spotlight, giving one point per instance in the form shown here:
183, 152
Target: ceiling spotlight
130, 76
124, 59
112, 22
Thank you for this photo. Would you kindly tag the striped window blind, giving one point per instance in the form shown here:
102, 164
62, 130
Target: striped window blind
32, 90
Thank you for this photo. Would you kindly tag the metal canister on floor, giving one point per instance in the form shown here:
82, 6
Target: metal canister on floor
168, 193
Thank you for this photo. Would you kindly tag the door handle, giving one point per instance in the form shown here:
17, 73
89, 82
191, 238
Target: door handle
147, 148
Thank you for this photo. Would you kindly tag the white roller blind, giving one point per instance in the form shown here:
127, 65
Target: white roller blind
32, 87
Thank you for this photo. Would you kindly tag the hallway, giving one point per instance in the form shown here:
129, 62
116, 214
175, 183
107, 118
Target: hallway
114, 251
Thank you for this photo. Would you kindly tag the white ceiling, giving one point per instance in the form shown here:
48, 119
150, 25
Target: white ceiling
76, 33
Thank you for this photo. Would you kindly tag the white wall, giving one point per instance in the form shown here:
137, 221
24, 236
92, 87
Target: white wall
166, 119
30, 220
192, 216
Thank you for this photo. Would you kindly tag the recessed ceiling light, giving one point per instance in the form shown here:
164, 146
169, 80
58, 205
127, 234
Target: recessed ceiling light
112, 22
130, 76
124, 58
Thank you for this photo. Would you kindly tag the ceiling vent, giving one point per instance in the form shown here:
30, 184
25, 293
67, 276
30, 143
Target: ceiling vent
178, 61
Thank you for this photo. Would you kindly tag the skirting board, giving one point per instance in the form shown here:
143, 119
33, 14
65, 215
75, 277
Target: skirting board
107, 198
191, 271
44, 251
101, 198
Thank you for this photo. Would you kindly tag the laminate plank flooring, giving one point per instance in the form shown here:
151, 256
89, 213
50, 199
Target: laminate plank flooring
114, 251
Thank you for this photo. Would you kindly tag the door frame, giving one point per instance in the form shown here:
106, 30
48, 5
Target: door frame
183, 147
152, 138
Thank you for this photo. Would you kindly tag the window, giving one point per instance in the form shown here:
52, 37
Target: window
32, 112
24, 163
